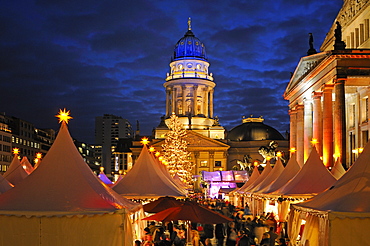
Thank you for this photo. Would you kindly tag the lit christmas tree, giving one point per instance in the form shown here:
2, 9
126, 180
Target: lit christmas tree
175, 151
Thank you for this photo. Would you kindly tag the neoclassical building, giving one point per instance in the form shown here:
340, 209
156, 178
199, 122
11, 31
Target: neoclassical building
189, 90
329, 91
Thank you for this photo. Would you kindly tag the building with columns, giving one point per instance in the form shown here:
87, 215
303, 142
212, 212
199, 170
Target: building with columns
189, 89
189, 94
328, 92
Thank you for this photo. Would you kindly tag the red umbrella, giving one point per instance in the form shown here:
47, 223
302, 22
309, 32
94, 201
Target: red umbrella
161, 204
190, 211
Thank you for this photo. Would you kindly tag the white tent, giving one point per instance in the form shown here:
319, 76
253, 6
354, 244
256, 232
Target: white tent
252, 178
271, 177
15, 173
312, 179
63, 203
340, 215
263, 175
4, 184
338, 169
291, 169
147, 180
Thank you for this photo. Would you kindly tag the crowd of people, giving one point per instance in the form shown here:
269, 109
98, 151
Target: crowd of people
243, 230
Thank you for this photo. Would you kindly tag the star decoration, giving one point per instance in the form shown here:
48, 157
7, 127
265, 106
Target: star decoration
63, 116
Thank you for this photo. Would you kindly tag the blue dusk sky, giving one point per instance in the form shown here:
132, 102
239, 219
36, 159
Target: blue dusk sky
96, 57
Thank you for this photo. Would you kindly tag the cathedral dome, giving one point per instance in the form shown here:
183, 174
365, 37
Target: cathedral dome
189, 47
254, 129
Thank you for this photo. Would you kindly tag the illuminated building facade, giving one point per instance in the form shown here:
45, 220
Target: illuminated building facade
29, 139
329, 91
5, 144
189, 94
108, 130
189, 89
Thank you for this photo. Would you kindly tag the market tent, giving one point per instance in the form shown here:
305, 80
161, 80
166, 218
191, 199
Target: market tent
291, 169
262, 177
338, 169
253, 177
340, 215
271, 177
4, 184
15, 173
146, 179
62, 202
312, 179
26, 165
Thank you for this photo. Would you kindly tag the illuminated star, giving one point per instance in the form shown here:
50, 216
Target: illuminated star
63, 116
144, 141
15, 151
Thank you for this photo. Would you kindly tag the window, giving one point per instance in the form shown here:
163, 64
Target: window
218, 163
204, 163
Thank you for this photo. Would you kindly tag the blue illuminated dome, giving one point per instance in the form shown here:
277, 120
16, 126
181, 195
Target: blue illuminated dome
189, 47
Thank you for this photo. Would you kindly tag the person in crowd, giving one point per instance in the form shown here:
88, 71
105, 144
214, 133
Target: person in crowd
195, 238
207, 233
148, 240
231, 234
247, 211
282, 242
164, 241
176, 237
152, 227
273, 236
220, 234
137, 243
243, 239
265, 239
259, 230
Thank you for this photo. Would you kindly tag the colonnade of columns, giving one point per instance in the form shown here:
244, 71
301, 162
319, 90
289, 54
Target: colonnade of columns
201, 101
320, 118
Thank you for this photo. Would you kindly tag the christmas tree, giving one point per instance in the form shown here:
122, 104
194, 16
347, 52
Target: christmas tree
175, 151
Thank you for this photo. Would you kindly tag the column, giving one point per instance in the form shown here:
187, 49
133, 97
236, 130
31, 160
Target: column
183, 99
317, 120
174, 108
300, 135
293, 128
307, 122
212, 160
195, 99
211, 103
205, 108
327, 141
340, 121
168, 92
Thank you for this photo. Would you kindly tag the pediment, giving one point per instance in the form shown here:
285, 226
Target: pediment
305, 66
198, 140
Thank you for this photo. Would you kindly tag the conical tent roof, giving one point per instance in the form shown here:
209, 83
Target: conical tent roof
26, 165
263, 175
62, 184
253, 177
147, 180
291, 169
350, 194
4, 184
271, 177
313, 178
338, 169
15, 173
181, 185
